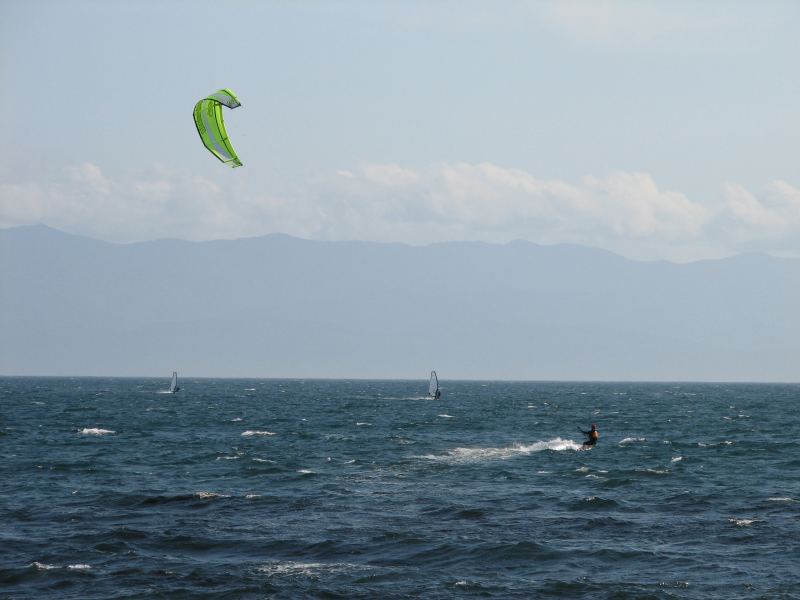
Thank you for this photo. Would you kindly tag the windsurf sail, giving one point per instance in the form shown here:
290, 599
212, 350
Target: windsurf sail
211, 126
433, 386
173, 386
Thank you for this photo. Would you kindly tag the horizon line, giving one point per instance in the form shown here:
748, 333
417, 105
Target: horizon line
421, 379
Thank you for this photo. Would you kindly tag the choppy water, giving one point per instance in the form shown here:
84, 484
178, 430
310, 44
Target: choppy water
366, 489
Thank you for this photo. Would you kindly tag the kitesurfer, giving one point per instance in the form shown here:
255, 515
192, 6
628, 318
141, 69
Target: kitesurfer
593, 434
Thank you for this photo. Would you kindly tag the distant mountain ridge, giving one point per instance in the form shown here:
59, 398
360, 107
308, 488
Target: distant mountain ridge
278, 306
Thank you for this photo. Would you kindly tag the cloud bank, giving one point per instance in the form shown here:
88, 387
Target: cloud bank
624, 212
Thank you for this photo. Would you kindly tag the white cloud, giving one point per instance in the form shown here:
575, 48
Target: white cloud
616, 23
624, 212
770, 223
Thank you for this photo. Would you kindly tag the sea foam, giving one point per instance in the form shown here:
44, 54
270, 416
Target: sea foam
466, 455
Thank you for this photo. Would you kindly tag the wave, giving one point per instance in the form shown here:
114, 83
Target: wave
308, 569
596, 502
630, 440
178, 498
250, 433
46, 567
743, 522
466, 455
95, 431
714, 444
209, 495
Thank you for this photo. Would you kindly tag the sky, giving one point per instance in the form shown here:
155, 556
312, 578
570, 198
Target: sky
657, 130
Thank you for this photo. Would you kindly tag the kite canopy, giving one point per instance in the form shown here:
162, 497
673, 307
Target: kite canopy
211, 127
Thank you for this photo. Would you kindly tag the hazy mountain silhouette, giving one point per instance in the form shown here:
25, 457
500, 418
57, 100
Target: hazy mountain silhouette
278, 306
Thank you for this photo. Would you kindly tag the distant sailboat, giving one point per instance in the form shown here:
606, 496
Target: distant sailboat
173, 386
433, 387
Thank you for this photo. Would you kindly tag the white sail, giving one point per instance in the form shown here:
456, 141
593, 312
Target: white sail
173, 386
433, 387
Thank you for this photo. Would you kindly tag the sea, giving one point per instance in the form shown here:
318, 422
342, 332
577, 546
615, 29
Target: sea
253, 488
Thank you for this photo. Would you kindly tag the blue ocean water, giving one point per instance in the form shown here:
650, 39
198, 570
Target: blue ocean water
367, 489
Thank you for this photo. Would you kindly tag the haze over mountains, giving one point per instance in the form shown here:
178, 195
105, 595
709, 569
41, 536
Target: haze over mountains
277, 306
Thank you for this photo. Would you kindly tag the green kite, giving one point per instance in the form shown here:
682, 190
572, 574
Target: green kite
211, 127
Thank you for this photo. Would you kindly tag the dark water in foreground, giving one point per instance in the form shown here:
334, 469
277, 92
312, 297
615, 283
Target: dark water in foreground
356, 489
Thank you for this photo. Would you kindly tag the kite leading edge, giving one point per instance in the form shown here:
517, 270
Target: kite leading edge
211, 126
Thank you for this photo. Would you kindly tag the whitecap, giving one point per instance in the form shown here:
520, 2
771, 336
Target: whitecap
95, 431
225, 457
75, 567
630, 440
251, 496
780, 499
676, 459
209, 495
264, 460
306, 471
293, 569
446, 416
362, 423
236, 420
743, 522
250, 433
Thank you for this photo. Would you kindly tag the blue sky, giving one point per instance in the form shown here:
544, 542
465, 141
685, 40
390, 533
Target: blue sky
654, 129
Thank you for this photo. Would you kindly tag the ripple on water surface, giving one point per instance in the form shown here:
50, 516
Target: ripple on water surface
267, 488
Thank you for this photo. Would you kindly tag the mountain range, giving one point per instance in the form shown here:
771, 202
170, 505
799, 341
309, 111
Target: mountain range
278, 306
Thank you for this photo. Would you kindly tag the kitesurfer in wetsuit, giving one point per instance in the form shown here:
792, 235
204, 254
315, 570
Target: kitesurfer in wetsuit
593, 434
